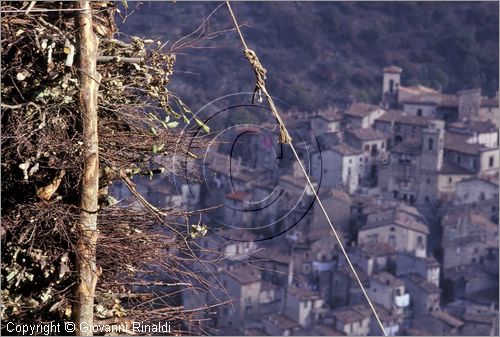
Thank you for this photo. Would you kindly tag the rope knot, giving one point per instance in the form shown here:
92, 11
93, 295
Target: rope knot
260, 72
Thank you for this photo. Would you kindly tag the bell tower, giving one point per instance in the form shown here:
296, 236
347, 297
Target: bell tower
390, 86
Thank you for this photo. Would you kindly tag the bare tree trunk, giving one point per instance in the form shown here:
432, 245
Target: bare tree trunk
86, 247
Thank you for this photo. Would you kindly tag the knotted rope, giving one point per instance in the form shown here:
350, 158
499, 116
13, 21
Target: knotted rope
260, 87
260, 81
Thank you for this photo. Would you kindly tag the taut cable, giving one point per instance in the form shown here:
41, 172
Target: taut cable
285, 138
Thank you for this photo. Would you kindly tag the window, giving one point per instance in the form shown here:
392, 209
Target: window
427, 199
382, 145
419, 112
428, 181
492, 161
450, 180
459, 159
393, 229
350, 161
392, 240
420, 242
482, 196
430, 144
367, 148
391, 86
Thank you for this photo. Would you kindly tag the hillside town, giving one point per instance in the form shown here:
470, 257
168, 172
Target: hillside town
412, 188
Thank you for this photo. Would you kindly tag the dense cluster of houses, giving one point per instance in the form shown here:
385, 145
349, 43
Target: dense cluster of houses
411, 186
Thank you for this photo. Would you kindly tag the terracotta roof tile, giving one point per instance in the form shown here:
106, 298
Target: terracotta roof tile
368, 134
361, 109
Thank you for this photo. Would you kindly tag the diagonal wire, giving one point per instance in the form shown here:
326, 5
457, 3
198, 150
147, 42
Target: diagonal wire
285, 138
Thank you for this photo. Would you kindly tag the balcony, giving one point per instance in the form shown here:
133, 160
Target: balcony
402, 301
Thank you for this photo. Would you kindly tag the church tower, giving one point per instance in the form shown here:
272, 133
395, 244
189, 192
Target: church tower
431, 161
390, 86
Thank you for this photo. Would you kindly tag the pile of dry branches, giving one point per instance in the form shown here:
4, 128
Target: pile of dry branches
139, 121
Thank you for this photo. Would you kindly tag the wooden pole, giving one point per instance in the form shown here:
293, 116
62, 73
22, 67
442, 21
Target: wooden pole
87, 226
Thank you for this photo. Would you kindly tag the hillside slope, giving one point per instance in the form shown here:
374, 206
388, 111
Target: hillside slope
320, 52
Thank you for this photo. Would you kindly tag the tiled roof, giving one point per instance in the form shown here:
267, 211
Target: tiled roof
303, 294
330, 114
396, 218
449, 101
489, 102
361, 109
245, 274
454, 169
422, 283
388, 279
283, 322
368, 134
474, 126
345, 150
458, 143
386, 316
393, 69
351, 314
400, 117
447, 318
324, 330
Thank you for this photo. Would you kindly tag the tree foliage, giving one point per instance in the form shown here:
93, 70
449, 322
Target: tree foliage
140, 124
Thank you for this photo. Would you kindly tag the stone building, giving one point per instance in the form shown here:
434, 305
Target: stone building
425, 296
362, 115
303, 305
373, 143
426, 267
339, 166
439, 323
468, 238
402, 227
325, 121
400, 125
389, 292
353, 320
243, 286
